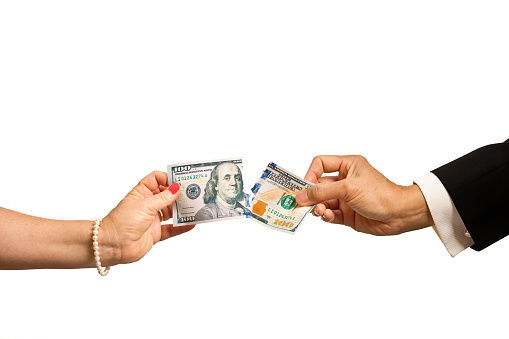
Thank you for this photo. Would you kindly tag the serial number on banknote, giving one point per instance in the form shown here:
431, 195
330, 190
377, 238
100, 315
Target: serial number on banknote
190, 177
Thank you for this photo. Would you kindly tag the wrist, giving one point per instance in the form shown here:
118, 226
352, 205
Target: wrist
415, 213
109, 243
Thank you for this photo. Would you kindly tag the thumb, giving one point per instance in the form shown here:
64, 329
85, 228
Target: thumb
163, 199
324, 191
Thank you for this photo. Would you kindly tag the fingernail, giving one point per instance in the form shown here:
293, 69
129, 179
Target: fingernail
174, 188
302, 198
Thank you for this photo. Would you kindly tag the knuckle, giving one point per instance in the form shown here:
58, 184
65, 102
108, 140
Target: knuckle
318, 192
347, 185
154, 175
360, 158
351, 190
157, 172
151, 174
317, 158
164, 199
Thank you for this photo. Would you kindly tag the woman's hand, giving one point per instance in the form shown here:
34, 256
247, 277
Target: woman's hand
135, 225
362, 198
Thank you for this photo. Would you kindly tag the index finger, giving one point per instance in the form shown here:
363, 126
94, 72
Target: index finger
152, 181
328, 179
326, 164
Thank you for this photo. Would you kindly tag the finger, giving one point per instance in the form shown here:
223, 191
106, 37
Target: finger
331, 204
153, 181
328, 215
325, 164
328, 179
160, 189
326, 191
167, 212
318, 210
164, 199
333, 216
168, 231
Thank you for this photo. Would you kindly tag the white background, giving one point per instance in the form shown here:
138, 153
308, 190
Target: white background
95, 95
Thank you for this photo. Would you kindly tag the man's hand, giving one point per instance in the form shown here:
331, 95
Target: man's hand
361, 197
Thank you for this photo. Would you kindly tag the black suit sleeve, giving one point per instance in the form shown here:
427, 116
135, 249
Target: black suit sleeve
478, 184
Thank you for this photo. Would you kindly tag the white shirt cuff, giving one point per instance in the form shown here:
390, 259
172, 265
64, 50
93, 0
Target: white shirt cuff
448, 224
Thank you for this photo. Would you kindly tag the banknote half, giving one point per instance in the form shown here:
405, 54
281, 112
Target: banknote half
210, 191
274, 204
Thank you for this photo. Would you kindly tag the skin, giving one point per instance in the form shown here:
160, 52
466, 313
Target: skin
229, 182
359, 196
126, 234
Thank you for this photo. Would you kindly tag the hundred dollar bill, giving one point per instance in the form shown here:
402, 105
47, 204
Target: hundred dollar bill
274, 203
210, 190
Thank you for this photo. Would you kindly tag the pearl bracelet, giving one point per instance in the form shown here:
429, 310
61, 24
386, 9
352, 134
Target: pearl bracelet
95, 245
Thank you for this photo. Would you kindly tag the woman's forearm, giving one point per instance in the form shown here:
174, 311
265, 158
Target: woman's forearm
126, 234
28, 242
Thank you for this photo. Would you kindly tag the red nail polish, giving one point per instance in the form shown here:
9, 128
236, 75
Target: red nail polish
174, 188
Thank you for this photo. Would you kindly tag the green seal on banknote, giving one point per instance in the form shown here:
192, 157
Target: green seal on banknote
288, 202
274, 203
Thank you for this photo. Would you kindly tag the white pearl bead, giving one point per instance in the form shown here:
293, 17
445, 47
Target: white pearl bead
95, 245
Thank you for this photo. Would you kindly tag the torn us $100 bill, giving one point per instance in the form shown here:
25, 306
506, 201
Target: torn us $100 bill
274, 203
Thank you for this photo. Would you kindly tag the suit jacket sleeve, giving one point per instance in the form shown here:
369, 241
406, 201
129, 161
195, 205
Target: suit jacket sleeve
478, 184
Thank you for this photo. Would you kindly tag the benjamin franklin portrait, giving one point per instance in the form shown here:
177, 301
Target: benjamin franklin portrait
223, 193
